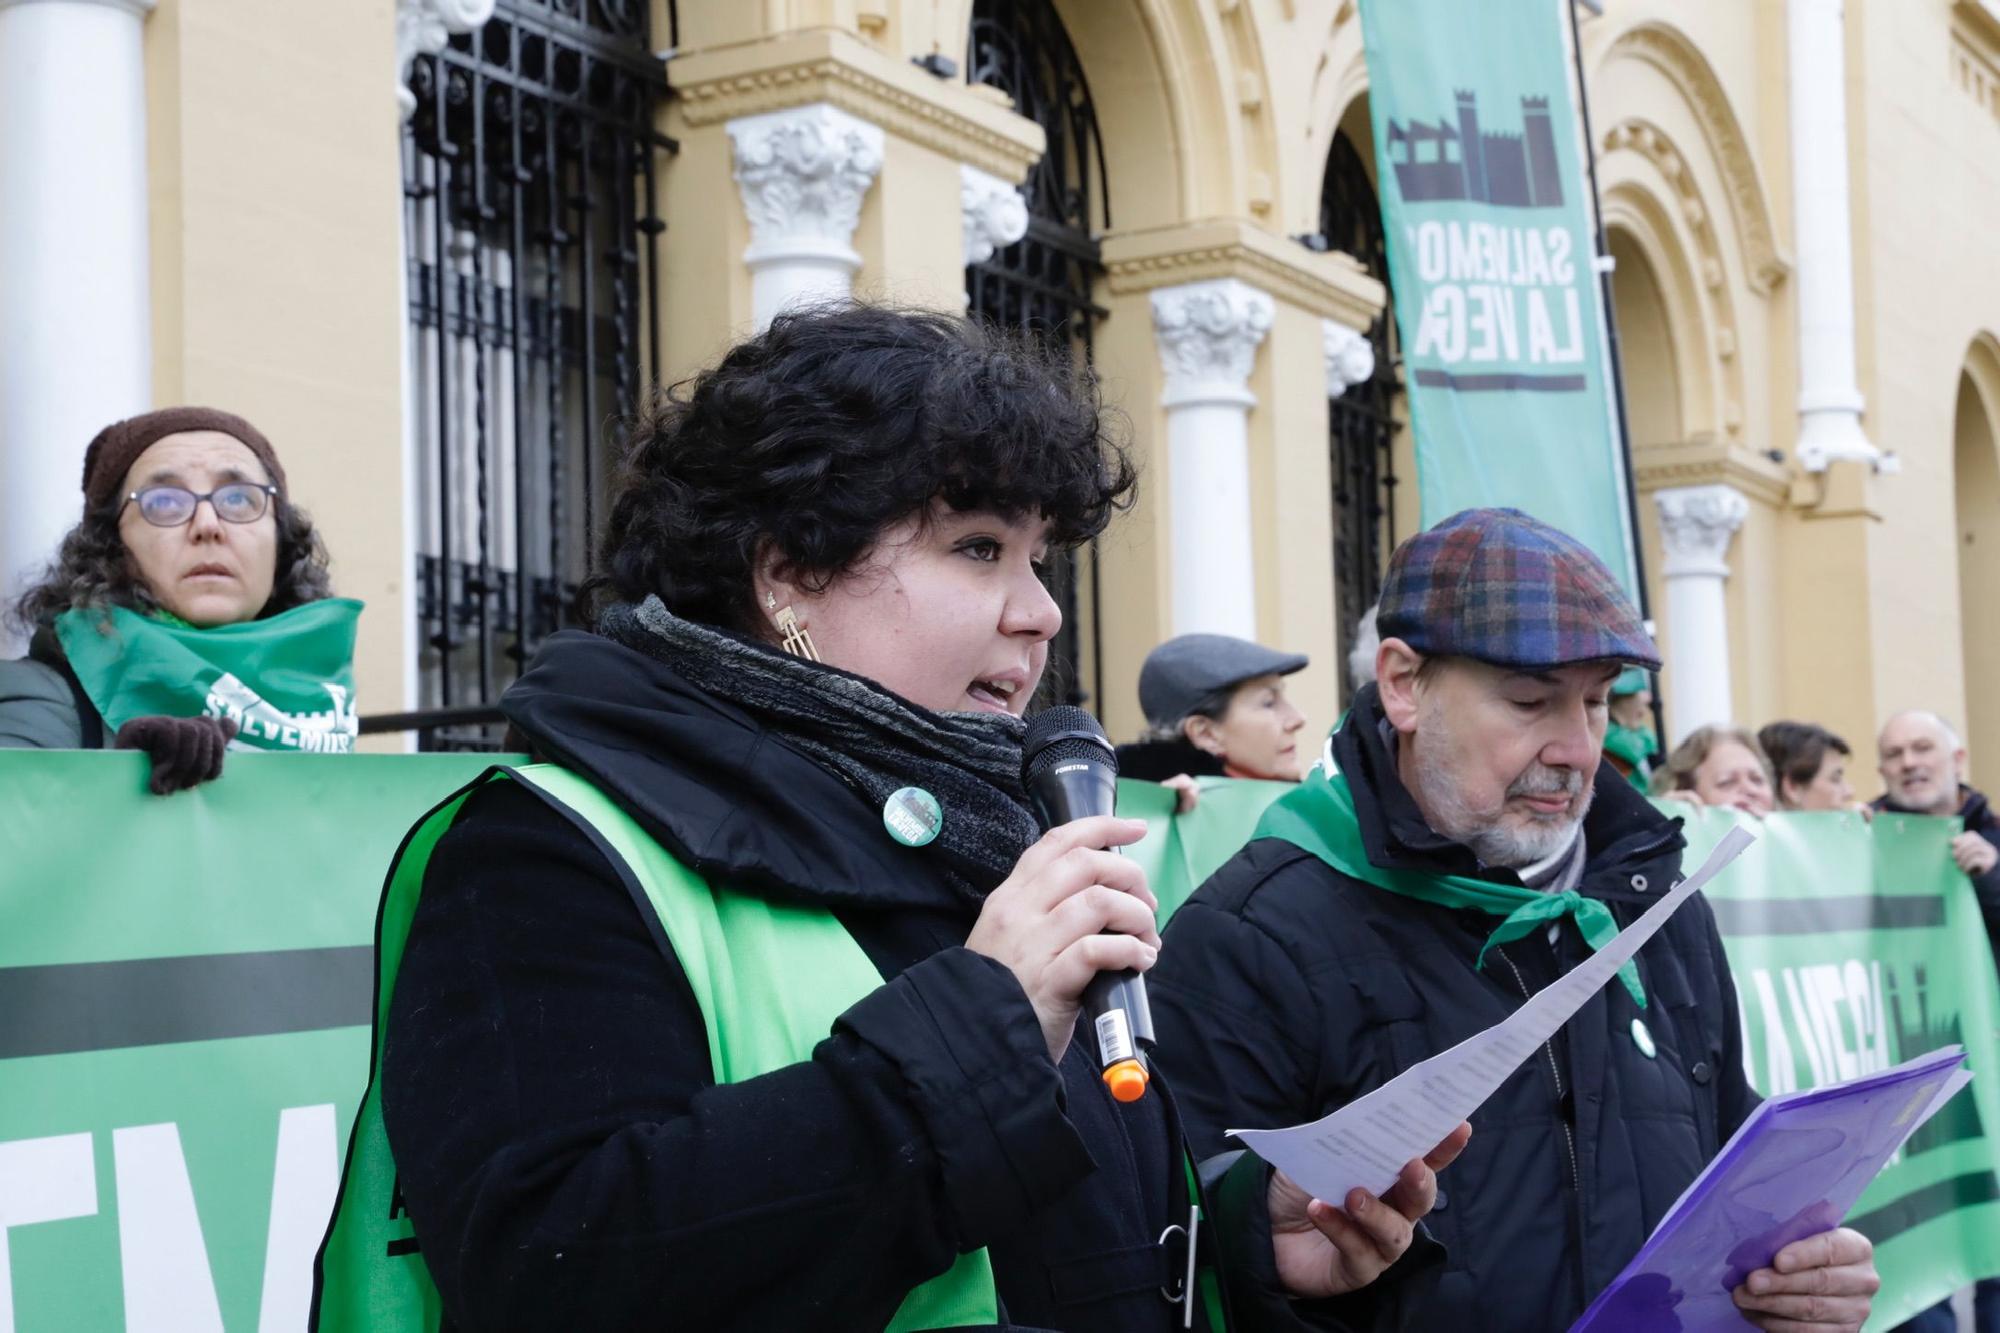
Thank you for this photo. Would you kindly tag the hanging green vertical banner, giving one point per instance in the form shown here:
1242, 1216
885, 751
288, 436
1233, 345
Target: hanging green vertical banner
1487, 212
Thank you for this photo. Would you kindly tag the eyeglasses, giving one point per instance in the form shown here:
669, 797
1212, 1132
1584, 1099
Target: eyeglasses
171, 506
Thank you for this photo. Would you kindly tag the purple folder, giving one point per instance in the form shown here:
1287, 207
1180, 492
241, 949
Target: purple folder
1793, 1170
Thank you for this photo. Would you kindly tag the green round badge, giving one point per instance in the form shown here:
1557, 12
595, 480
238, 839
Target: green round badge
1643, 1039
912, 816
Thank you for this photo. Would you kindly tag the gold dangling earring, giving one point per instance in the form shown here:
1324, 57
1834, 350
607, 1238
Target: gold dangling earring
797, 642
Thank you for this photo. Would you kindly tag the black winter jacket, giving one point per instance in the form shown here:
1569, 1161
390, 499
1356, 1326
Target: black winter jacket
568, 1161
1156, 761
1286, 990
42, 704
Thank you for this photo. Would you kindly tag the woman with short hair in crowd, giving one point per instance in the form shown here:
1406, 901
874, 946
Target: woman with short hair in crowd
1718, 765
1215, 706
757, 1007
1811, 766
189, 609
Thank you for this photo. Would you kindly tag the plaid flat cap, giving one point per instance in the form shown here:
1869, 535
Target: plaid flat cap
1501, 587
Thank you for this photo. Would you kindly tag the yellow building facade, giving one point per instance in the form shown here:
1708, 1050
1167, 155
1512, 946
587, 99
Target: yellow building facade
436, 248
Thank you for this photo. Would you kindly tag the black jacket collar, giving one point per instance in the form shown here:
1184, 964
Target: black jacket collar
1625, 837
1972, 807
1156, 761
731, 801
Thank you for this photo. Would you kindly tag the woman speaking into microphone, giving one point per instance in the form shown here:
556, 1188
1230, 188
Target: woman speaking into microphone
755, 1005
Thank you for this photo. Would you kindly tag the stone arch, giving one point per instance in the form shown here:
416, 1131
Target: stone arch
1182, 102
1651, 354
1338, 102
1976, 501
1674, 55
1653, 202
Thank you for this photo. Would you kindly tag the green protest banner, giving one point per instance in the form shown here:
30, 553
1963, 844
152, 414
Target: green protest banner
1485, 208
1856, 947
184, 1001
1180, 851
185, 981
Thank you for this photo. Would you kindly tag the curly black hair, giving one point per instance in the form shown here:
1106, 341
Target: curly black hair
93, 569
833, 424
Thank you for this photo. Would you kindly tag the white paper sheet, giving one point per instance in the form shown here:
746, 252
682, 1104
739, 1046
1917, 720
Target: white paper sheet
1368, 1141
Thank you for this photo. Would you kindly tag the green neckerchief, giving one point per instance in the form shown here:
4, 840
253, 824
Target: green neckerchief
1318, 817
287, 681
1636, 746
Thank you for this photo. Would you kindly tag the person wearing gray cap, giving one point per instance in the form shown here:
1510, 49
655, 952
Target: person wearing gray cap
1215, 707
1460, 846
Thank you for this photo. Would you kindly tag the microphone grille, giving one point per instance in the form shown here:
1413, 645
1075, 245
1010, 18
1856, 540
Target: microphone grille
1061, 734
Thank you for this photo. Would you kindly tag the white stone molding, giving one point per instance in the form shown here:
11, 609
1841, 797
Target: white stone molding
1208, 334
995, 214
1350, 356
423, 27
75, 263
1696, 525
803, 173
1830, 401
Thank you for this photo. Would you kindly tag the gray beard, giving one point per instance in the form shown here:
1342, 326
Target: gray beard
1491, 841
1496, 845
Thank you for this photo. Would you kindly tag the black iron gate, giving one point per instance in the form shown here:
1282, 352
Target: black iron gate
1042, 282
1363, 418
528, 178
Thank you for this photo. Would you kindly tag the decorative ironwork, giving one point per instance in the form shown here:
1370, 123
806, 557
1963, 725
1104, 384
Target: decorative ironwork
528, 179
1363, 418
1042, 282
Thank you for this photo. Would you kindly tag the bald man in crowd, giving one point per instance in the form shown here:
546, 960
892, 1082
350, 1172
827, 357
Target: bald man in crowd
1923, 765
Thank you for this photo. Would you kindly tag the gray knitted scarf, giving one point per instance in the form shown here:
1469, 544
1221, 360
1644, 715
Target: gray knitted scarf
876, 741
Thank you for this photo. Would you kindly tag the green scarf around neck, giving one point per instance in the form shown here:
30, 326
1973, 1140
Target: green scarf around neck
1637, 747
1318, 817
287, 681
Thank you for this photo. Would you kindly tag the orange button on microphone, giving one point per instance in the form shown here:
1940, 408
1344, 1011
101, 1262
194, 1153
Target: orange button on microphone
1127, 1080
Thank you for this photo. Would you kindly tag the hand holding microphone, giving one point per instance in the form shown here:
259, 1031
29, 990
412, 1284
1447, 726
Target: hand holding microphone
1075, 917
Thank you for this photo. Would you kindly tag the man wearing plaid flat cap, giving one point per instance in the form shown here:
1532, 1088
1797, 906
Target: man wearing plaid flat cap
1460, 847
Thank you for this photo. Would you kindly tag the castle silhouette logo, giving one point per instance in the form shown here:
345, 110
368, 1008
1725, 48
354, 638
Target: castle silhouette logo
1442, 162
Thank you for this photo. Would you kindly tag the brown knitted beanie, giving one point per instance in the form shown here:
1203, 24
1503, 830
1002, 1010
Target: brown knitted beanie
119, 445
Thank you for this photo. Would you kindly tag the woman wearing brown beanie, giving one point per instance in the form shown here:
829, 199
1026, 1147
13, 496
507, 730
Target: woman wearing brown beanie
188, 610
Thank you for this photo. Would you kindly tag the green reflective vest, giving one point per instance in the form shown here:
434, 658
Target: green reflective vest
770, 979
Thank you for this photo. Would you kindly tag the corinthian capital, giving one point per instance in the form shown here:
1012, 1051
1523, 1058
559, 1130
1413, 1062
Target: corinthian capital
1696, 523
423, 27
803, 173
996, 215
1208, 334
1350, 357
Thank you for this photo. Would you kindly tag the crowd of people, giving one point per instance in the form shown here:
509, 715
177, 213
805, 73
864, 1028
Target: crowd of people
756, 1000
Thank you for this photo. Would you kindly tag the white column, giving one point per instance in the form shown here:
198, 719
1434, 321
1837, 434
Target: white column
803, 173
1696, 523
75, 311
1208, 334
993, 213
423, 27
1829, 392
1350, 357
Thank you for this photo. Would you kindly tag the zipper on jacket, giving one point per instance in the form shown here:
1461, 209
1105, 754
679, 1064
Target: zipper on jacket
1574, 1180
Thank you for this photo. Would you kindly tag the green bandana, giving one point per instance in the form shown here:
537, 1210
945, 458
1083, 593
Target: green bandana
1636, 746
287, 681
1318, 816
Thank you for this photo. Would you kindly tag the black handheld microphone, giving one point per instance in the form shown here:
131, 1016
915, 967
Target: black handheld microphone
1071, 772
